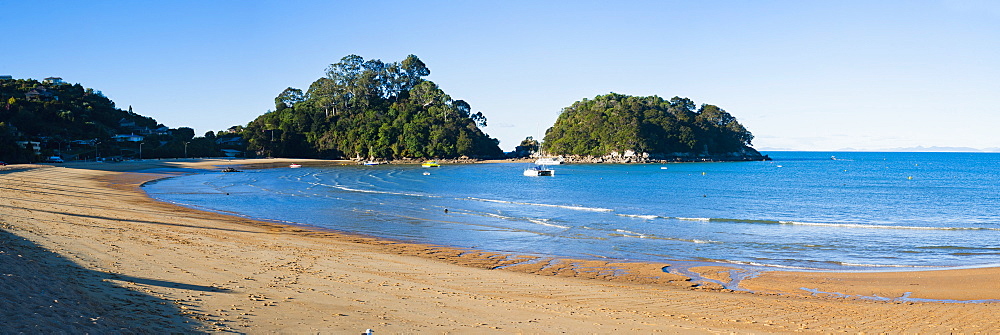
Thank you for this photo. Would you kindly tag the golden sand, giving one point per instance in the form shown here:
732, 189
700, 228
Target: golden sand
82, 249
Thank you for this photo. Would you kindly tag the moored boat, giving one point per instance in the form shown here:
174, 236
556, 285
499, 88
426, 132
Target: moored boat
539, 171
549, 161
295, 166
430, 164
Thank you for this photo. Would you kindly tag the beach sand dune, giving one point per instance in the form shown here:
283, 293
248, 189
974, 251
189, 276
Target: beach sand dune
85, 235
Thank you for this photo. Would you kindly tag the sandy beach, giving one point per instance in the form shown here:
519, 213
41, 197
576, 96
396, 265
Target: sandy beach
83, 249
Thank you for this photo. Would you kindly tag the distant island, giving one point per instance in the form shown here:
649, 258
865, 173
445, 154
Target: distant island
622, 128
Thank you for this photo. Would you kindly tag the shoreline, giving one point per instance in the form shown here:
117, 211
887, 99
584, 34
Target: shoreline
737, 264
292, 286
707, 280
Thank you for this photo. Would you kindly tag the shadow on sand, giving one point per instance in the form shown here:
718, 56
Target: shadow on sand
42, 292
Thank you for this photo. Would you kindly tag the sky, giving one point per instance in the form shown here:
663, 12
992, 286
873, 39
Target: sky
800, 75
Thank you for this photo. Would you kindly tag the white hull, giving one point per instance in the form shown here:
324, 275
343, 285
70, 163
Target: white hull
538, 172
549, 161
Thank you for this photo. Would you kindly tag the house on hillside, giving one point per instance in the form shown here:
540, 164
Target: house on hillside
84, 142
164, 130
131, 125
234, 140
36, 147
53, 80
126, 123
6, 77
40, 93
128, 138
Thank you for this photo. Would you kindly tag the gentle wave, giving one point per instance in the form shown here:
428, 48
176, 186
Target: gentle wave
821, 224
543, 222
882, 265
647, 217
847, 264
344, 188
693, 219
627, 233
953, 247
578, 208
631, 232
766, 265
871, 226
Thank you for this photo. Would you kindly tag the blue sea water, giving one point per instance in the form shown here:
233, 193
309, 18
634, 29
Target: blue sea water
802, 210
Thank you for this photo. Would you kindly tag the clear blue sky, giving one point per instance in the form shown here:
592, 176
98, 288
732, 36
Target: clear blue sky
803, 75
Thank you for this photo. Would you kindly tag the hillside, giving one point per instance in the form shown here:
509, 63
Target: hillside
371, 110
54, 118
616, 125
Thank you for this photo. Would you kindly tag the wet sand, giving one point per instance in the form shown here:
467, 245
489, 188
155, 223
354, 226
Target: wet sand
117, 261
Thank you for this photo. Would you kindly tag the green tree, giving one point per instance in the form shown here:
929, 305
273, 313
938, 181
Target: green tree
183, 134
371, 109
619, 123
288, 98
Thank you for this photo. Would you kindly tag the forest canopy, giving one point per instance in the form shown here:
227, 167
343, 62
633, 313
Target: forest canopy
369, 109
39, 119
619, 123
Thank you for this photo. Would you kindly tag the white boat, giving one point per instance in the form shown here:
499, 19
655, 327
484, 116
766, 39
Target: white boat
549, 161
295, 166
538, 171
371, 163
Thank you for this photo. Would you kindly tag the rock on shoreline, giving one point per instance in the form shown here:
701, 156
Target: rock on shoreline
630, 157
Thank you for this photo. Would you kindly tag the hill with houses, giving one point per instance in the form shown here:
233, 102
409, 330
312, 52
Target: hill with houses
41, 119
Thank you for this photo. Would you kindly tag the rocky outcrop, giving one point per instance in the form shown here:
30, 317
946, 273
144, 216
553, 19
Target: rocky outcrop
747, 154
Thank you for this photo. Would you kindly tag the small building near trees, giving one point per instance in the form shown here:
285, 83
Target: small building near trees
128, 138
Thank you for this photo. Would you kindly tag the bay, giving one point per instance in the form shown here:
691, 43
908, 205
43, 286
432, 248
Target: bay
812, 210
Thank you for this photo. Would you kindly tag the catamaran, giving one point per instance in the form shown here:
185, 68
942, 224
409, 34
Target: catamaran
549, 161
539, 171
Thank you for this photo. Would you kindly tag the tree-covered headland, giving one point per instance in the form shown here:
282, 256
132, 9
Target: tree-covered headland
651, 127
54, 118
369, 109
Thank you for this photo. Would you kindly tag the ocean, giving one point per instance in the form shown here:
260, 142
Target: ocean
843, 211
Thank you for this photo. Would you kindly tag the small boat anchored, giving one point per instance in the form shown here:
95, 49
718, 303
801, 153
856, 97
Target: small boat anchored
295, 166
549, 161
539, 171
430, 164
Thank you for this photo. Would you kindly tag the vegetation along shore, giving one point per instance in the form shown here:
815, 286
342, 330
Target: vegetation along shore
363, 110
